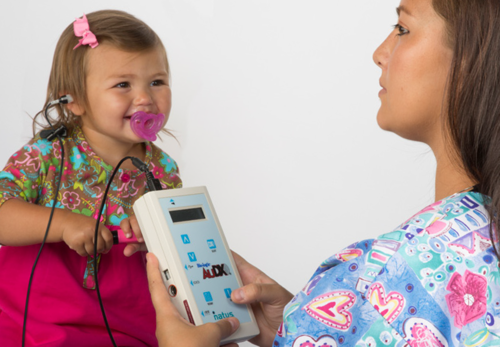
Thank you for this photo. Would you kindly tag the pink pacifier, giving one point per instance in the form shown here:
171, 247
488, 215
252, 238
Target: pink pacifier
147, 125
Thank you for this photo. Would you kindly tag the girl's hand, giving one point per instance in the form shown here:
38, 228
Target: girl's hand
129, 226
78, 233
267, 297
173, 330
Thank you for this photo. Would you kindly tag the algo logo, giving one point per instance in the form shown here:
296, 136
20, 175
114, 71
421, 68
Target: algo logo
216, 271
223, 315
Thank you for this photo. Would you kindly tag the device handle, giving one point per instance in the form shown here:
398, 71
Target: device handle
119, 237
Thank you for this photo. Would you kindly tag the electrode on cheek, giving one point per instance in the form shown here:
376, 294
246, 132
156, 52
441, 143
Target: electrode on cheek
147, 125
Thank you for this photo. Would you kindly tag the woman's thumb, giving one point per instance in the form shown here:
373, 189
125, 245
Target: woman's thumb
227, 327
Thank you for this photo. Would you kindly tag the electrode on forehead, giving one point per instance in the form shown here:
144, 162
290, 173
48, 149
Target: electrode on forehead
147, 125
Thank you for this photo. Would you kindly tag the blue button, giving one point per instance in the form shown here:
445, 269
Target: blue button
208, 297
185, 239
228, 293
192, 256
211, 244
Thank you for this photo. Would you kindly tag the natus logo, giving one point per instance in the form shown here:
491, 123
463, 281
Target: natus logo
223, 315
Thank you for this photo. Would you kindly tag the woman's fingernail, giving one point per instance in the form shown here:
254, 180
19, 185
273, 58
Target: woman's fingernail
238, 295
128, 235
233, 323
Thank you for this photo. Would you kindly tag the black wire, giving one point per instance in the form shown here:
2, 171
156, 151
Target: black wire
95, 248
61, 167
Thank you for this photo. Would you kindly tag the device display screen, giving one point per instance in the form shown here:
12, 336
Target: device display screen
204, 257
187, 214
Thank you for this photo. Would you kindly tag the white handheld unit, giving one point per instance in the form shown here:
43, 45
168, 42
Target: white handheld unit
181, 228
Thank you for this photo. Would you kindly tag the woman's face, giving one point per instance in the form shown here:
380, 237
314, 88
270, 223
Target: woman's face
415, 61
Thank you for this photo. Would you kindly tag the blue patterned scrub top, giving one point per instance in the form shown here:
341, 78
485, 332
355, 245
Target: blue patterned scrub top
432, 282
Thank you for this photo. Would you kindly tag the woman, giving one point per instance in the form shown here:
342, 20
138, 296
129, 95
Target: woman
434, 281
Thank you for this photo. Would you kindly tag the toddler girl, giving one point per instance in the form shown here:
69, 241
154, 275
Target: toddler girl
113, 65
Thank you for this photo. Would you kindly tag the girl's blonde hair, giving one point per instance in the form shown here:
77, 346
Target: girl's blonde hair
68, 74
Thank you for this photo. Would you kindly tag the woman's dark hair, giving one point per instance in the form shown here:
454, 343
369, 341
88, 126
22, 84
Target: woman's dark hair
473, 99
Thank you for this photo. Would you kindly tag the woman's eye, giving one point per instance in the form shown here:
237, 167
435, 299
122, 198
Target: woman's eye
122, 85
402, 30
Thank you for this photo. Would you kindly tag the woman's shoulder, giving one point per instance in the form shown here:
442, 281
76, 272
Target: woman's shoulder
449, 224
440, 237
436, 272
457, 227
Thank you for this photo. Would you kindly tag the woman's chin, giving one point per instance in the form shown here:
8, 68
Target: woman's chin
382, 121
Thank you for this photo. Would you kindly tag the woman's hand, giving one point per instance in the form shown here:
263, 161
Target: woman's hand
171, 328
266, 296
129, 226
78, 233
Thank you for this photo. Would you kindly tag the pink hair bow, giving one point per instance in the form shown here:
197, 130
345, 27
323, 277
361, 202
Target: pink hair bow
81, 29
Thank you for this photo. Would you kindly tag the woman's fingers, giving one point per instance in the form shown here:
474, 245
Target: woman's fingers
159, 295
268, 293
221, 329
171, 328
131, 248
136, 228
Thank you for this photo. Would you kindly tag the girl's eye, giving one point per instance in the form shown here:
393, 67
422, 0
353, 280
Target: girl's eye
122, 85
157, 83
402, 30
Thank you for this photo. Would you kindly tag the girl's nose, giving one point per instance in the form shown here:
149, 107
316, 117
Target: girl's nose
143, 98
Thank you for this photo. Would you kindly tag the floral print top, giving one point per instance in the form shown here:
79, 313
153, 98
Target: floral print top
63, 309
432, 282
31, 174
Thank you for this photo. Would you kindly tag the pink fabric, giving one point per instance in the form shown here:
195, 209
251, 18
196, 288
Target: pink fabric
53, 317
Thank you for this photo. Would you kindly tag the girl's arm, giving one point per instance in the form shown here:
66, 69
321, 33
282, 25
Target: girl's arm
23, 223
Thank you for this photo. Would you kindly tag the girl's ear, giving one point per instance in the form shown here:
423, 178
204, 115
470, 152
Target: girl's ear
74, 107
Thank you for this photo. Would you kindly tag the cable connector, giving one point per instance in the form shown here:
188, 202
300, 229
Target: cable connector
50, 134
139, 164
65, 99
152, 182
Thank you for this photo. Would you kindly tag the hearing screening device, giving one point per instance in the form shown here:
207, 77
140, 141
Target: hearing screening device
181, 228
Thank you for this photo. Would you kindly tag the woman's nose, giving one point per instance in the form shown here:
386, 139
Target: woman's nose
382, 53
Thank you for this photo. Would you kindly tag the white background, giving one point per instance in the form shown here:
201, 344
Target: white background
274, 108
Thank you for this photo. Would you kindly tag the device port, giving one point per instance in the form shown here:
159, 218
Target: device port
172, 291
167, 274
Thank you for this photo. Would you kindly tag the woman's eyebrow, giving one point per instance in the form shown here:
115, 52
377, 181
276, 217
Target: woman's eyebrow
402, 9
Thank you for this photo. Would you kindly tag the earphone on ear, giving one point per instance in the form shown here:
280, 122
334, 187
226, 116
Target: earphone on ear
65, 99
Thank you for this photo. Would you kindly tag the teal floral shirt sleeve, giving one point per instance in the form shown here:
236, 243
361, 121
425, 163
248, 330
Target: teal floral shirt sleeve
432, 282
26, 171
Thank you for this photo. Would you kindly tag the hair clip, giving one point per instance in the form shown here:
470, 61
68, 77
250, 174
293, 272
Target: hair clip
81, 29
